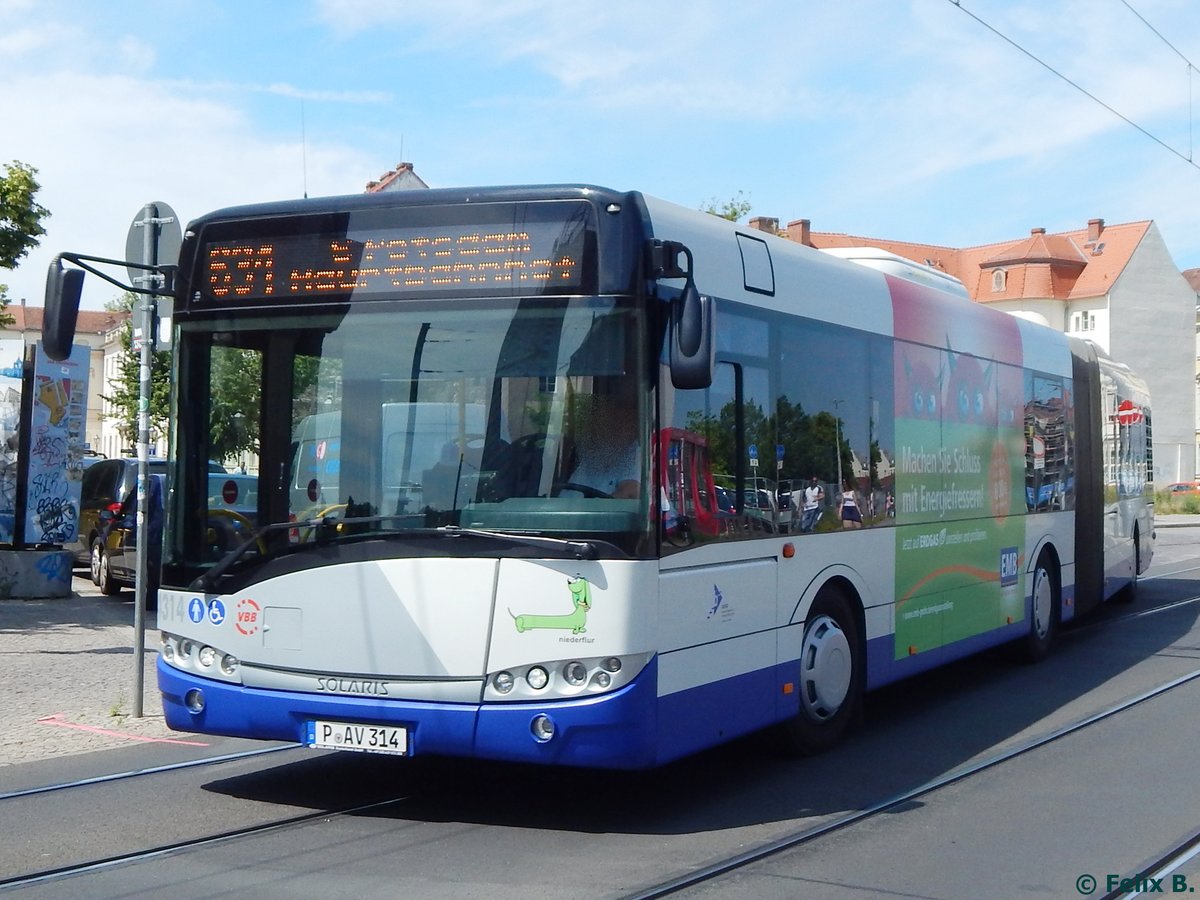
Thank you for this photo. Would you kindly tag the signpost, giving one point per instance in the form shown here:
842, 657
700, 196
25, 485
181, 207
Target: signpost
156, 243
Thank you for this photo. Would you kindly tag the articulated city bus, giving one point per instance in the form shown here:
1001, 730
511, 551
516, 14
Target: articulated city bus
437, 565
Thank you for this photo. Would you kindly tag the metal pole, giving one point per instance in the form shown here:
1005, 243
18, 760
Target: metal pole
144, 314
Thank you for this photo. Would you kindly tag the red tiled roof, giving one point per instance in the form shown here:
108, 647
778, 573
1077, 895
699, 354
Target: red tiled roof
29, 318
1064, 266
403, 172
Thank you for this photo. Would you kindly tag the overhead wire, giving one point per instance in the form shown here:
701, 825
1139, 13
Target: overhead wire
1041, 62
1190, 67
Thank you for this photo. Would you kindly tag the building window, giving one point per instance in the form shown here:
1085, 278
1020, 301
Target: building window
1083, 321
547, 384
999, 280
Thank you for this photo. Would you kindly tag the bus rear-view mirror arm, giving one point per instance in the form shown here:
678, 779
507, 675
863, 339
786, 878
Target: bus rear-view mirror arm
64, 287
691, 317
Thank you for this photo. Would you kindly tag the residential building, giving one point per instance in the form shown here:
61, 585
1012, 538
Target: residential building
100, 332
1193, 280
401, 178
1115, 285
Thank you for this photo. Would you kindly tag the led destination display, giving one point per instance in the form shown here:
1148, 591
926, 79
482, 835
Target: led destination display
534, 257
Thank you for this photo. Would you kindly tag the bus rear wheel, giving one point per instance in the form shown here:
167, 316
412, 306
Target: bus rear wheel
830, 675
1045, 610
1128, 594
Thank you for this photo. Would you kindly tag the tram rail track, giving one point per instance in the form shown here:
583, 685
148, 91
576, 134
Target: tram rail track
83, 868
1149, 877
137, 773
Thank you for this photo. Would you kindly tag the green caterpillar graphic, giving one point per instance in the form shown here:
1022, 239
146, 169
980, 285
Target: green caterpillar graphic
574, 621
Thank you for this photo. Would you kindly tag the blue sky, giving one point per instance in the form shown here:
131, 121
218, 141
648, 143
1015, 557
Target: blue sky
906, 120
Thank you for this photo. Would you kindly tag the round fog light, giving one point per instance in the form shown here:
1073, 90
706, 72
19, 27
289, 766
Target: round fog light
542, 727
612, 665
206, 656
229, 664
537, 677
194, 700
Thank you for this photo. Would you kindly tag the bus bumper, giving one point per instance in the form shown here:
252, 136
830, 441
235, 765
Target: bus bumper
613, 731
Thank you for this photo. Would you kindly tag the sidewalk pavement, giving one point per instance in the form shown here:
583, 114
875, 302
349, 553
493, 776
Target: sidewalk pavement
1175, 521
67, 676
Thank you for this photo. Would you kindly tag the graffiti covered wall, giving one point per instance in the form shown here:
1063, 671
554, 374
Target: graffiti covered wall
59, 413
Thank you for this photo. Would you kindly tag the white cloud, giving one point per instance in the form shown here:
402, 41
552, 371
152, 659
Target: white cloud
108, 144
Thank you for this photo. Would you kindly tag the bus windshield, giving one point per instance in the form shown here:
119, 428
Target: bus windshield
525, 416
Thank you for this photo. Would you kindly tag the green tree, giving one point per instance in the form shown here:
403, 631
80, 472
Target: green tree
20, 221
732, 209
235, 378
126, 388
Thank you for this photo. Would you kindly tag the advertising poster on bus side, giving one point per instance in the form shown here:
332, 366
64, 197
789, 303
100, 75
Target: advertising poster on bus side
959, 473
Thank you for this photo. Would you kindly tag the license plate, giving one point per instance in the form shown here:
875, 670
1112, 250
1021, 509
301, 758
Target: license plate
354, 736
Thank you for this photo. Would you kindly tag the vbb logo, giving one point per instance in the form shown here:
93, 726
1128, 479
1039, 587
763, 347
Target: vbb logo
248, 617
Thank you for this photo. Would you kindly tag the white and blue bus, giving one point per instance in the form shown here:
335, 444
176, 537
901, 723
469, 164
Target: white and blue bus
982, 479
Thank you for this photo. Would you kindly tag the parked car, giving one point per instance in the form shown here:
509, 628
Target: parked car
1184, 487
105, 484
114, 551
232, 506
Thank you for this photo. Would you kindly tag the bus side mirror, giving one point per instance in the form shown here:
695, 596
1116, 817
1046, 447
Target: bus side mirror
63, 290
691, 339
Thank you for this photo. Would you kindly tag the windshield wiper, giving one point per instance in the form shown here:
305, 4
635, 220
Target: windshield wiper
324, 525
579, 549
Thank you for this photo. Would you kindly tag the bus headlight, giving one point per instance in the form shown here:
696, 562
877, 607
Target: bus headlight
565, 679
187, 654
503, 682
575, 672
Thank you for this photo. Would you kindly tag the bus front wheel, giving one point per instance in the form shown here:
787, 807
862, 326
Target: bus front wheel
830, 675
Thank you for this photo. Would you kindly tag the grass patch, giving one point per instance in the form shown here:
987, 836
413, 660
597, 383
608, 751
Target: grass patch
1167, 503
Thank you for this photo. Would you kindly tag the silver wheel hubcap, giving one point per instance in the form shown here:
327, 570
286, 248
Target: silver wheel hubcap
1043, 602
826, 669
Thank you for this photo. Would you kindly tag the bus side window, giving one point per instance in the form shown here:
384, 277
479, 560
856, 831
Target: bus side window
700, 441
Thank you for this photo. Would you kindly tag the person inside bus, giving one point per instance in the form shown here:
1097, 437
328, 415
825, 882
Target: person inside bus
607, 453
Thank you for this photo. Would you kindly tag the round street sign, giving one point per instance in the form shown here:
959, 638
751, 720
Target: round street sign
170, 237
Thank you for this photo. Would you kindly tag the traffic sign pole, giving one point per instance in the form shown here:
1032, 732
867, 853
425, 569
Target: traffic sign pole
151, 225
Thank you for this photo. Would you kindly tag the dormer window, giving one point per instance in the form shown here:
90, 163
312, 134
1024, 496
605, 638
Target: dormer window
999, 280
